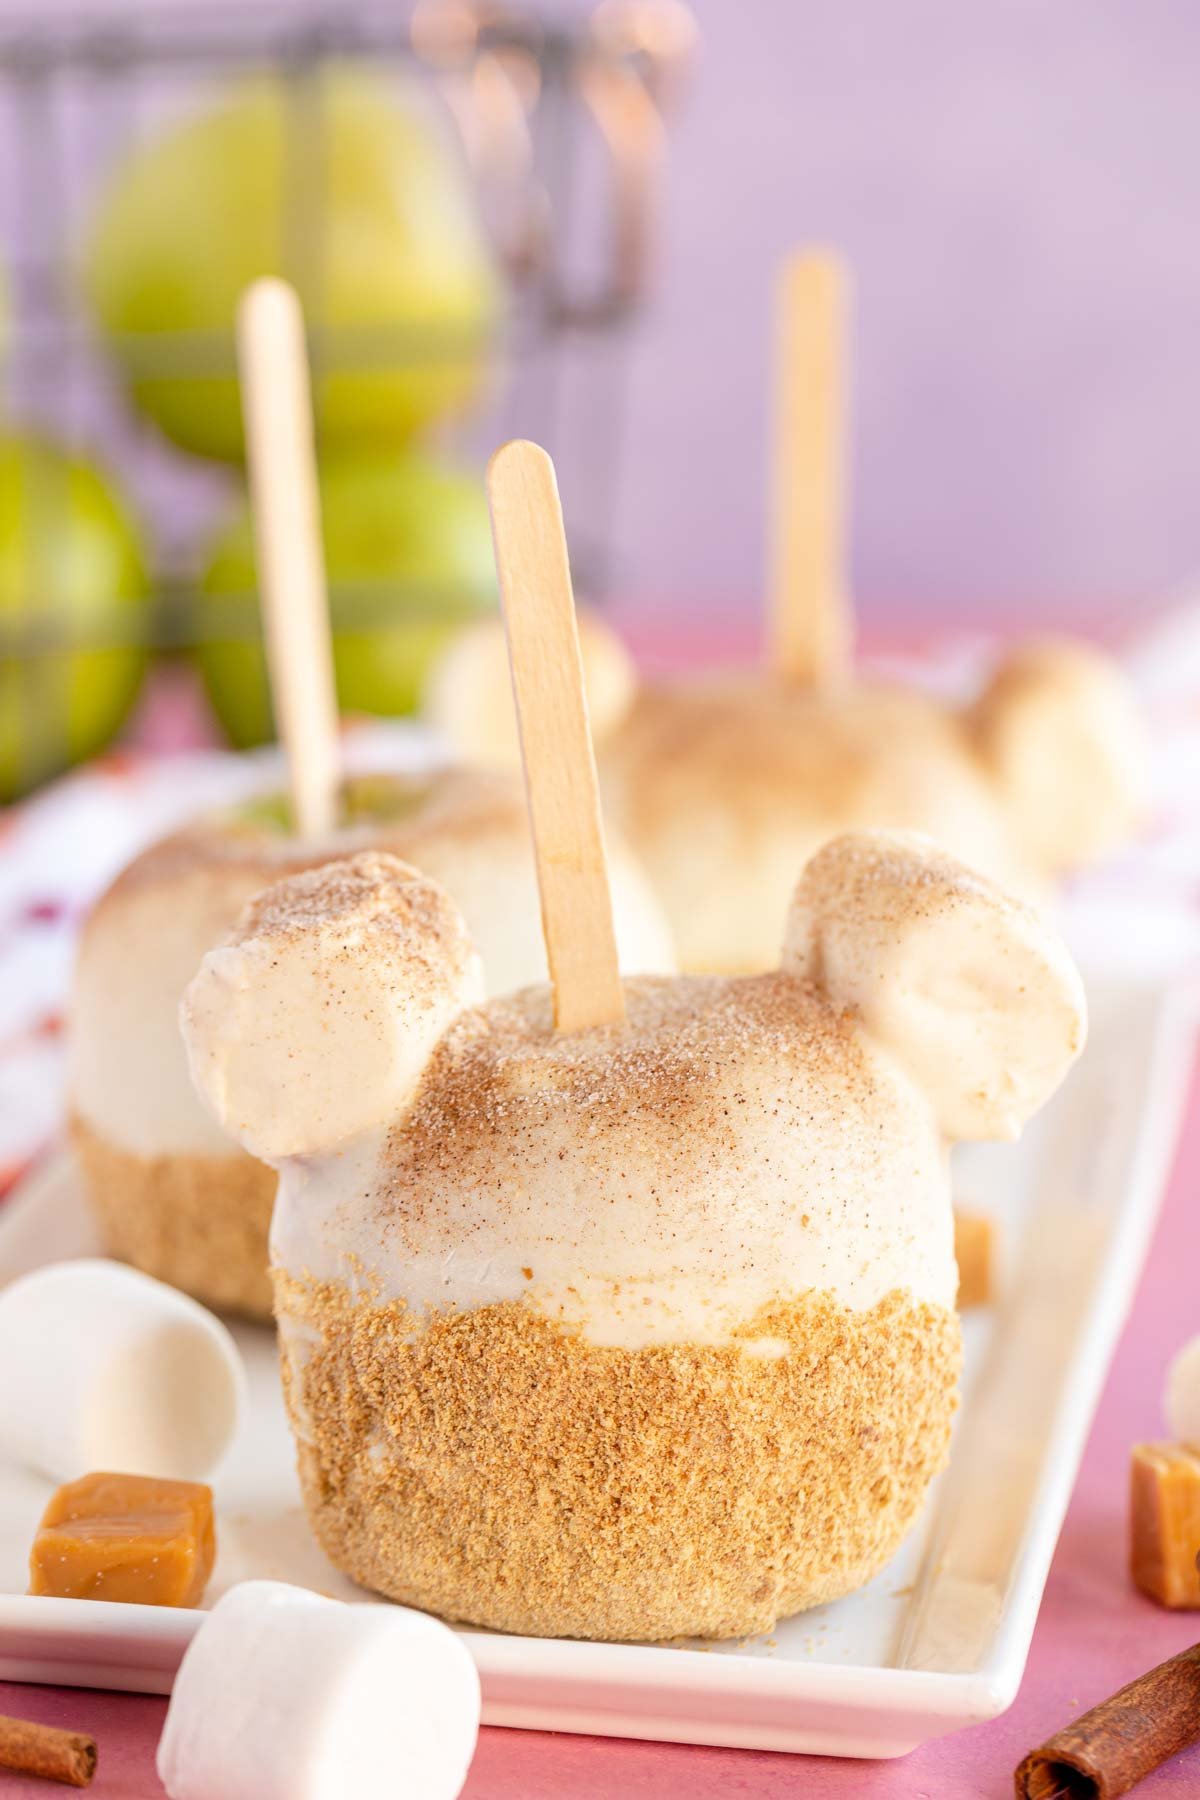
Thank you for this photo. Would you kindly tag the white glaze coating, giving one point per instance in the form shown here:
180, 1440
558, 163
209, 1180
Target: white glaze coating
736, 1142
636, 1237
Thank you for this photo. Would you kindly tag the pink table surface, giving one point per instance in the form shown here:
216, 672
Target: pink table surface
1094, 1633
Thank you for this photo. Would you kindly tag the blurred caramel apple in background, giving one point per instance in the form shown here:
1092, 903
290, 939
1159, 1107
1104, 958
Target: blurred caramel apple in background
358, 198
408, 554
73, 612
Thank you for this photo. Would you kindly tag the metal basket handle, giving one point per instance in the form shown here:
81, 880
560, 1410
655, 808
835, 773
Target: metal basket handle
628, 70
633, 75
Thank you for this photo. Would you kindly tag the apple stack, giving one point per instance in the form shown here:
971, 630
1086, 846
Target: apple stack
348, 185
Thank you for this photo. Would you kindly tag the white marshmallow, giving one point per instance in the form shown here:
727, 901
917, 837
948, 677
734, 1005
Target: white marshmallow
973, 993
1059, 728
1182, 1398
284, 1695
318, 1016
469, 695
106, 1368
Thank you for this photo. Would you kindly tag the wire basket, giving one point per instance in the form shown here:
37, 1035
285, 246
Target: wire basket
561, 129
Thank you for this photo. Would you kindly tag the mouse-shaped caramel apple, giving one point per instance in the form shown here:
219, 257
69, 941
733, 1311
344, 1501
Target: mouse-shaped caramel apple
620, 1309
645, 1329
725, 782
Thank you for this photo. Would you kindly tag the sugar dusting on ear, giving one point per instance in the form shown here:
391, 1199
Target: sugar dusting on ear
382, 908
890, 877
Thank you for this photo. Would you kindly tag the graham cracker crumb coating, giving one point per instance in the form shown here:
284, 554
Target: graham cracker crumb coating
497, 1470
197, 1222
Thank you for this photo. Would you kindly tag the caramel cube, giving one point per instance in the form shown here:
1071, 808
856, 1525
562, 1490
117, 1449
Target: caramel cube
125, 1537
1164, 1520
975, 1254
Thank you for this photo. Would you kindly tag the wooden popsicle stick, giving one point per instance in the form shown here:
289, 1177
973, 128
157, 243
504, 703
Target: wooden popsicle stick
810, 626
556, 743
277, 409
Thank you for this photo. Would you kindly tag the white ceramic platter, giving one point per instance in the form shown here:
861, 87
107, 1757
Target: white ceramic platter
939, 1639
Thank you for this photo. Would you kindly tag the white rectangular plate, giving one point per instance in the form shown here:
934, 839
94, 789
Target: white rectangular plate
939, 1639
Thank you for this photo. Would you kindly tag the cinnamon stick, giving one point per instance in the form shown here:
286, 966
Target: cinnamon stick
29, 1749
1122, 1740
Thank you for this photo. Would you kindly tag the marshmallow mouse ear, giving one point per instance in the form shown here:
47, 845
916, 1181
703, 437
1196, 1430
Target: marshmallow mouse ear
314, 1022
968, 990
1058, 727
469, 699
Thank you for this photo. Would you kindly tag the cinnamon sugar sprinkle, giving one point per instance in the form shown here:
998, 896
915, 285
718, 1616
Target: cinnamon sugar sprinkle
697, 1063
891, 878
373, 912
775, 752
373, 890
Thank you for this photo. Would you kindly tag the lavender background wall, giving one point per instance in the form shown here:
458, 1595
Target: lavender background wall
1018, 185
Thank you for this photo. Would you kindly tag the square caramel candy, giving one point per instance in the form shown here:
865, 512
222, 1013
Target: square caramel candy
125, 1537
975, 1254
1164, 1520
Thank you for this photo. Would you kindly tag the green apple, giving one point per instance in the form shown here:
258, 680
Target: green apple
408, 554
73, 612
382, 800
358, 199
